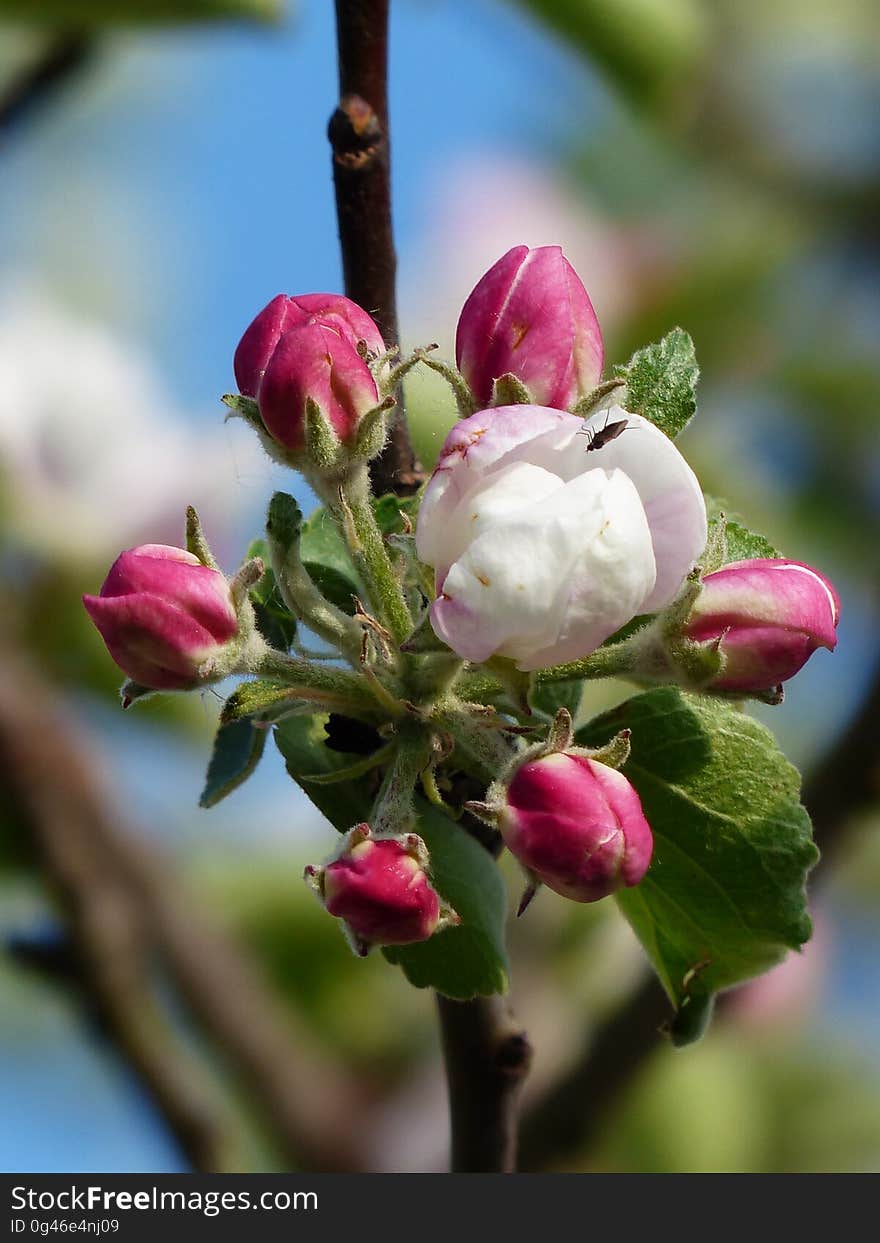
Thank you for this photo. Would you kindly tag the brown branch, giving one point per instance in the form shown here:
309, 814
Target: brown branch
62, 59
844, 782
128, 917
109, 939
360, 140
487, 1058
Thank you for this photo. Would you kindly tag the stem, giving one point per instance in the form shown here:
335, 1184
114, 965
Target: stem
336, 689
484, 745
358, 524
487, 1058
308, 605
360, 139
394, 811
605, 662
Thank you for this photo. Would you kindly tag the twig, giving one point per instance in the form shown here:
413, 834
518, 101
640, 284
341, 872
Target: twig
487, 1058
360, 140
127, 915
62, 58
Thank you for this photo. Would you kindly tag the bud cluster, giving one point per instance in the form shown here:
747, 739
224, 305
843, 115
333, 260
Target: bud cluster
556, 516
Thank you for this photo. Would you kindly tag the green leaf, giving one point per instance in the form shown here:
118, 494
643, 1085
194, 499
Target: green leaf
325, 556
93, 13
238, 747
390, 511
742, 544
738, 542
302, 742
469, 960
275, 622
661, 382
724, 897
549, 697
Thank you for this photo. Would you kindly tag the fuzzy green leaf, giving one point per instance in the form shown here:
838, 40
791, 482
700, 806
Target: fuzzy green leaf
743, 544
724, 897
470, 960
661, 382
238, 747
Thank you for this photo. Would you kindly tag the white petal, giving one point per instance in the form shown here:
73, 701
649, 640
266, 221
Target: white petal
477, 446
611, 575
510, 491
670, 493
571, 564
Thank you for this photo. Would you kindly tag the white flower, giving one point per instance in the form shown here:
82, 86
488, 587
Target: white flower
542, 548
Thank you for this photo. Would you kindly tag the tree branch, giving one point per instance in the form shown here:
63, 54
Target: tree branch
129, 919
487, 1057
360, 140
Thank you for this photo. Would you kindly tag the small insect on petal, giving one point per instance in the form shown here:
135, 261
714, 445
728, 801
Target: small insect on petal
604, 434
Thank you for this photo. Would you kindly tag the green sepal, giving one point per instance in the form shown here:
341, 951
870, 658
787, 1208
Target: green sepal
509, 390
196, 544
246, 408
587, 404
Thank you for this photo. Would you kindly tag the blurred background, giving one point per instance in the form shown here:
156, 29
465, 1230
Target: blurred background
709, 163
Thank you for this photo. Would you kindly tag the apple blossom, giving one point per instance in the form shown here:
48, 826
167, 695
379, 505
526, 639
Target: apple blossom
162, 615
531, 317
379, 888
542, 550
576, 825
770, 616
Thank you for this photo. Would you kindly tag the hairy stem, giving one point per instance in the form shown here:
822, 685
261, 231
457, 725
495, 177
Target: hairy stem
357, 521
359, 137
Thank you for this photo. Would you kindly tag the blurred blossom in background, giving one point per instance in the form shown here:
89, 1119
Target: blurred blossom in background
176, 186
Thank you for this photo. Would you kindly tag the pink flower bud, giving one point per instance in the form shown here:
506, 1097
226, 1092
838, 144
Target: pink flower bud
771, 615
531, 316
163, 614
576, 826
379, 888
284, 313
315, 363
